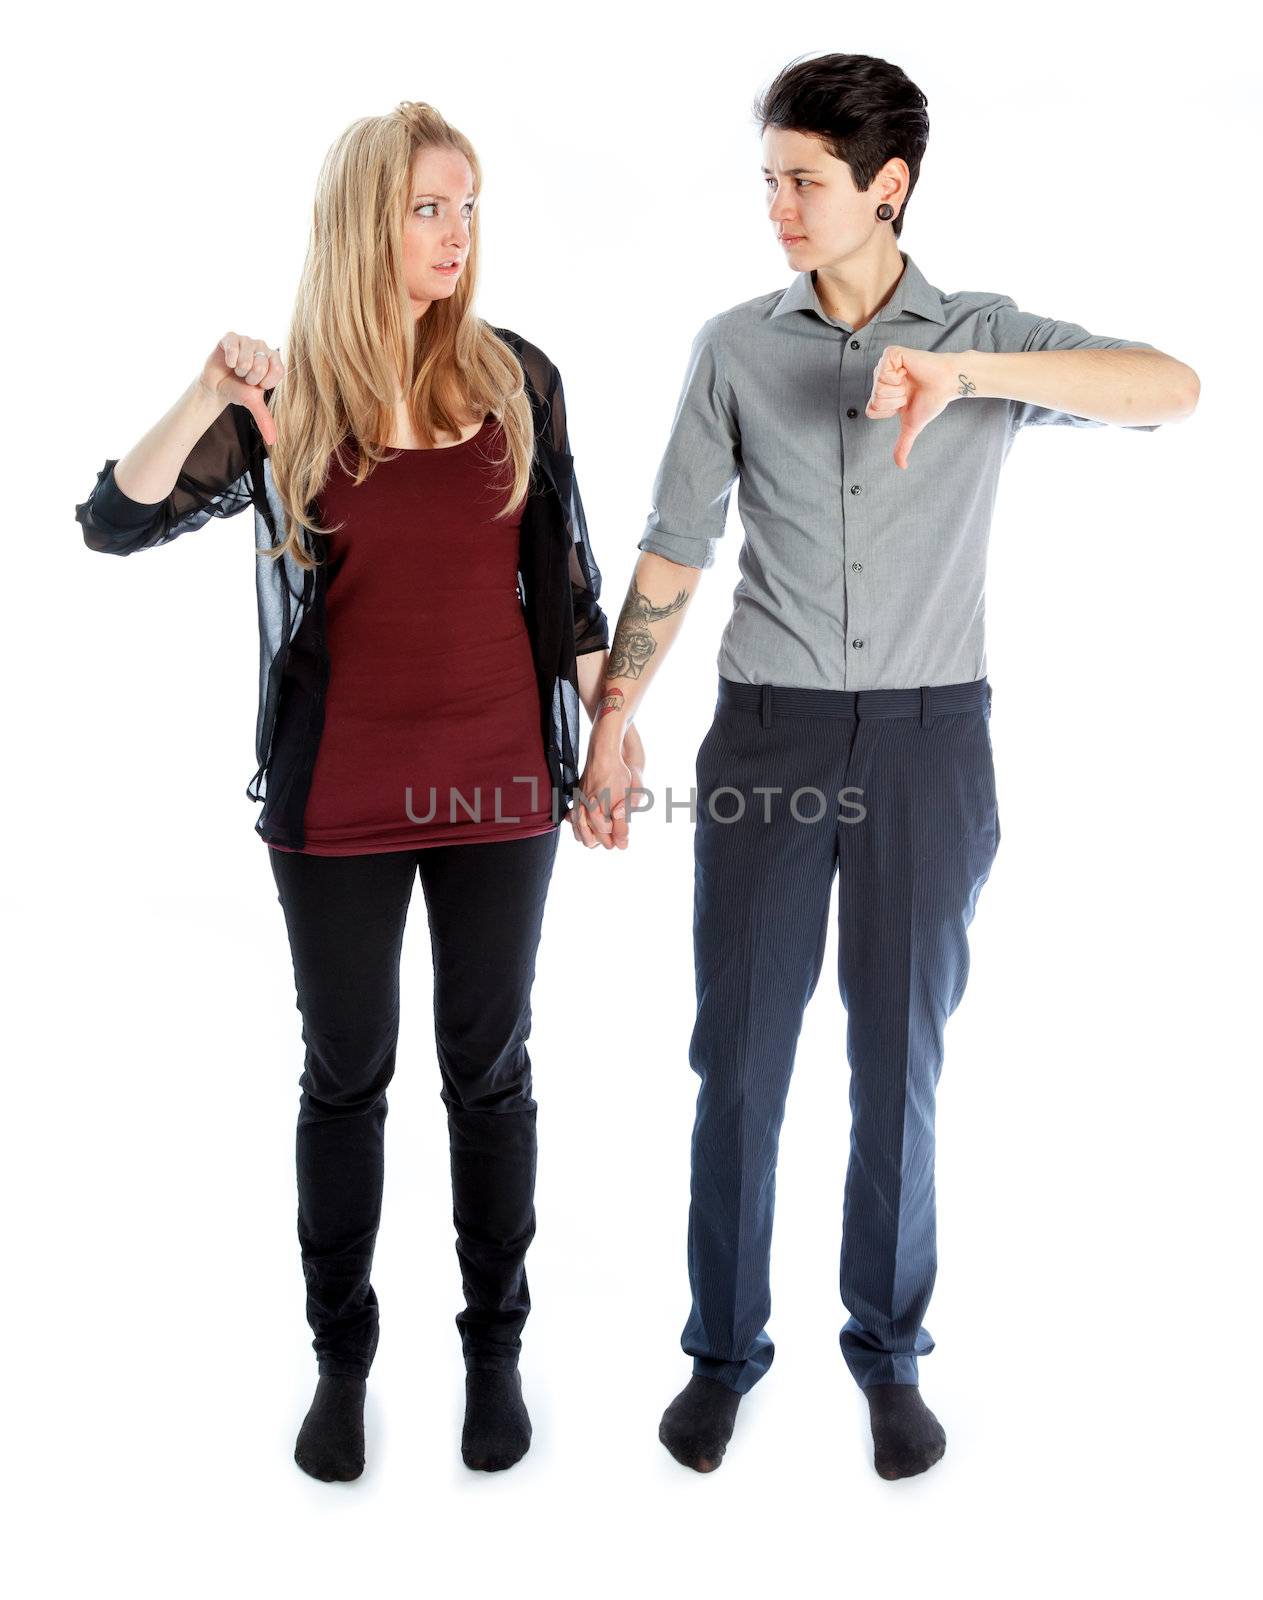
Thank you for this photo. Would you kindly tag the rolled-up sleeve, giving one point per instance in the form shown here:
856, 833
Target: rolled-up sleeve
215, 481
1014, 330
700, 464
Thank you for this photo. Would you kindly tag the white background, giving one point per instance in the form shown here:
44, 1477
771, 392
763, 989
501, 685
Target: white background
1095, 1321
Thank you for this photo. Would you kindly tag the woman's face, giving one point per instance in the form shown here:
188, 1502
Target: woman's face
438, 225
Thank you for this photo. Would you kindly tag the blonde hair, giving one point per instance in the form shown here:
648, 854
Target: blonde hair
355, 347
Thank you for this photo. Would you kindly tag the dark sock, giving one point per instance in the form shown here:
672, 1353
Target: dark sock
697, 1425
907, 1436
497, 1429
331, 1440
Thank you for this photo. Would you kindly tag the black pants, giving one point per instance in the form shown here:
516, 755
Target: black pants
345, 917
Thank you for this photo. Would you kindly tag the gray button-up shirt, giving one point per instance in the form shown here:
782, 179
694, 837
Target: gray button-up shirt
855, 574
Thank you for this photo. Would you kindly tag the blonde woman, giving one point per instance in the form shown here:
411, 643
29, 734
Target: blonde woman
429, 623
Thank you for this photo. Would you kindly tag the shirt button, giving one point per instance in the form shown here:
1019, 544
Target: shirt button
855, 344
856, 489
857, 566
857, 644
851, 411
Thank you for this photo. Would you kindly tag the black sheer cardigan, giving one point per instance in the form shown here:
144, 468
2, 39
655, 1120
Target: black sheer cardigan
228, 469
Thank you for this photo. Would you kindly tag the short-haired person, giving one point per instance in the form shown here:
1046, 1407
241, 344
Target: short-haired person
865, 415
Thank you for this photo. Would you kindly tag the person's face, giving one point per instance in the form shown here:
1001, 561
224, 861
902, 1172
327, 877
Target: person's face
816, 212
438, 225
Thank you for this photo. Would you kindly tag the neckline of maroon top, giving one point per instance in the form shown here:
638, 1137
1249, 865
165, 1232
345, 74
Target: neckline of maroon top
439, 449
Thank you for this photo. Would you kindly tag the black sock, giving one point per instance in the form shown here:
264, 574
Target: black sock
497, 1429
331, 1440
697, 1425
907, 1437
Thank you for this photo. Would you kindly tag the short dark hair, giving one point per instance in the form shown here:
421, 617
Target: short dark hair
865, 111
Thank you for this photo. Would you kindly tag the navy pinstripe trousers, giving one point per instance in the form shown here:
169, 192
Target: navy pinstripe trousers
892, 790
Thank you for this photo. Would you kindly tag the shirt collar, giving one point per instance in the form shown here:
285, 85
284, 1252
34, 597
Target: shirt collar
911, 293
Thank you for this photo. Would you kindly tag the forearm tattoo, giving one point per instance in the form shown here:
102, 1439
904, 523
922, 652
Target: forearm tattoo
633, 644
967, 386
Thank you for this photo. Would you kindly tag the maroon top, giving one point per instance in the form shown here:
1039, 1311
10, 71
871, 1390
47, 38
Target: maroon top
416, 700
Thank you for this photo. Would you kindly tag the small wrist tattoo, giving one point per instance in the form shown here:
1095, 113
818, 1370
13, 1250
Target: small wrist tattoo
966, 385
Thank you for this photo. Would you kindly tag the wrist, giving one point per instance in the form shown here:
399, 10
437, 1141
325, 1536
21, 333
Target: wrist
971, 375
609, 714
608, 729
205, 401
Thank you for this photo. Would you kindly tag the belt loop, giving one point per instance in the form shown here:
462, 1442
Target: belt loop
765, 705
925, 705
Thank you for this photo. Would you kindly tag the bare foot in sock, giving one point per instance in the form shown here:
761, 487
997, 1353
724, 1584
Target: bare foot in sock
497, 1430
907, 1437
331, 1440
697, 1425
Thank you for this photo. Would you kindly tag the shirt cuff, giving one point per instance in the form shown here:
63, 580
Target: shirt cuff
111, 506
681, 548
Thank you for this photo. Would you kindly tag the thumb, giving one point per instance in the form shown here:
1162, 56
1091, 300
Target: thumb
597, 818
908, 431
253, 398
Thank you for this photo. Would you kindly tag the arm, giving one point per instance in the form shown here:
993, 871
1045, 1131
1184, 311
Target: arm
1058, 373
690, 507
1049, 372
590, 669
194, 463
1133, 388
652, 615
189, 467
591, 629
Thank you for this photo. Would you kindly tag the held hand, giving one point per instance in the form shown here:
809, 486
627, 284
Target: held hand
917, 383
595, 818
238, 371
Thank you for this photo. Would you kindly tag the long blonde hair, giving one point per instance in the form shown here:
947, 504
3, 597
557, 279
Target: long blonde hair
354, 345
